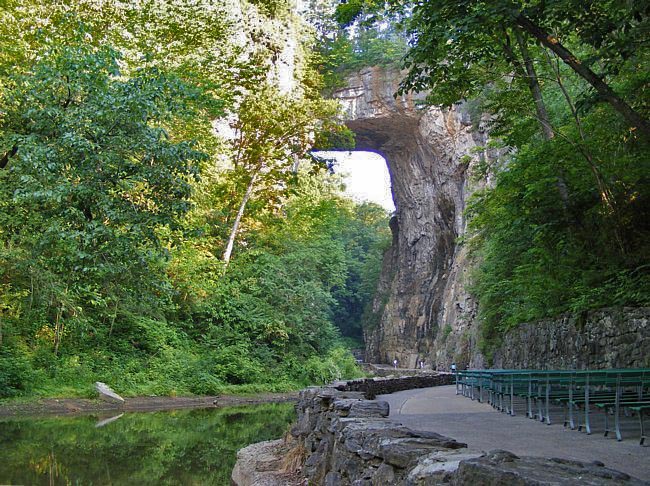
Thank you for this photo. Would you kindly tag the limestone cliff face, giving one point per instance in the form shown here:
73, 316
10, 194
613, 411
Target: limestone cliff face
422, 309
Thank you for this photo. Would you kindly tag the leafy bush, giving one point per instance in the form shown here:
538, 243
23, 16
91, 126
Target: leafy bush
337, 365
16, 373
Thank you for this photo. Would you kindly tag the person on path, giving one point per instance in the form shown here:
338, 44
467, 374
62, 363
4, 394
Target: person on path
453, 367
395, 363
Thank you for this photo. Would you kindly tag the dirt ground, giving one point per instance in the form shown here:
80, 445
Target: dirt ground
69, 406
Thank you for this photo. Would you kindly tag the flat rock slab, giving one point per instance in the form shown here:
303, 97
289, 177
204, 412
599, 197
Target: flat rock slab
361, 408
505, 468
107, 394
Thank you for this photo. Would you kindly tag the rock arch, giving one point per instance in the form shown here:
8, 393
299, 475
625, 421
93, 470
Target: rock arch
422, 310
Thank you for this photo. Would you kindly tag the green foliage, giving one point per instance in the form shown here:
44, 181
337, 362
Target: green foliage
354, 41
339, 364
16, 373
273, 8
99, 176
539, 259
446, 331
116, 199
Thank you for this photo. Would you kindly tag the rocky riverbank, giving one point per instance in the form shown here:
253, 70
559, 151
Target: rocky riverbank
67, 406
343, 438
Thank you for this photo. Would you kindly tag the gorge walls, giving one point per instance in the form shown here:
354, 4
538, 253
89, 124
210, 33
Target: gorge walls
422, 309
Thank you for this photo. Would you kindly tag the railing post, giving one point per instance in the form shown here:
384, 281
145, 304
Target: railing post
548, 398
617, 408
512, 395
530, 396
587, 424
572, 424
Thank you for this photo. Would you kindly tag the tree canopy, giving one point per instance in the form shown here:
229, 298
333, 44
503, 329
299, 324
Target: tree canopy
118, 198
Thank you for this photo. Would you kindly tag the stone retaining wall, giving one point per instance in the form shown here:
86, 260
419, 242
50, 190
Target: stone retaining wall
371, 387
607, 338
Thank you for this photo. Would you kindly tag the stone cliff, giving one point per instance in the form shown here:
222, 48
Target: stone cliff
422, 309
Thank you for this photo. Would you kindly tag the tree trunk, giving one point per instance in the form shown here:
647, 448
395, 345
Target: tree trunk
528, 71
549, 41
235, 227
4, 160
535, 89
58, 330
540, 108
605, 192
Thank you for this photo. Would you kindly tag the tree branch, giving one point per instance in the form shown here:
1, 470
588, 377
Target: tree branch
635, 120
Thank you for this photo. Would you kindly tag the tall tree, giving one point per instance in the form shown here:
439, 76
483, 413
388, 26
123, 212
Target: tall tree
91, 176
273, 131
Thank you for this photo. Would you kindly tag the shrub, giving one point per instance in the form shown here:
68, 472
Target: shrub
16, 373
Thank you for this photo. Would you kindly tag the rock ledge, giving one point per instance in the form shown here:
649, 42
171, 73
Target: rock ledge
343, 439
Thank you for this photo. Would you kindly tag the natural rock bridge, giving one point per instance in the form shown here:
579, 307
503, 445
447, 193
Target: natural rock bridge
422, 309
430, 154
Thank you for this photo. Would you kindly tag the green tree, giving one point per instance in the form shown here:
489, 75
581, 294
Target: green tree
89, 176
273, 131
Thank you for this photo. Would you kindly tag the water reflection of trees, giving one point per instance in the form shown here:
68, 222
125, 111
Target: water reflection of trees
179, 447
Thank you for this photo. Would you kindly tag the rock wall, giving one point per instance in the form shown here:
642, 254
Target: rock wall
607, 338
422, 309
343, 439
371, 387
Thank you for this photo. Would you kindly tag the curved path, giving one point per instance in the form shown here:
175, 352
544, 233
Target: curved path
440, 410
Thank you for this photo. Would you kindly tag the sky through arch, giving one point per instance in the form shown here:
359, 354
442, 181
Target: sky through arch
365, 175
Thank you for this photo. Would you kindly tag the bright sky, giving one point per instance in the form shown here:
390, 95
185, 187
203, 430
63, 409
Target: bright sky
366, 176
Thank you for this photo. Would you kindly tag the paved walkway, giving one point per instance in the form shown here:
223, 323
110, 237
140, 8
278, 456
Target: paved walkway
440, 410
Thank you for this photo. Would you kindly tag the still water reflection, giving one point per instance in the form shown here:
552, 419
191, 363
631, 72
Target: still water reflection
188, 447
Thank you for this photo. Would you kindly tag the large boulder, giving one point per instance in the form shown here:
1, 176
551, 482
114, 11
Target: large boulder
506, 469
263, 464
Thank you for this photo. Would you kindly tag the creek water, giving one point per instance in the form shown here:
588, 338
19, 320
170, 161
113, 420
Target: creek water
181, 447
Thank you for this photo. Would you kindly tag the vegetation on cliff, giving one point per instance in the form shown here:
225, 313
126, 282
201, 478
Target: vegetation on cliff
563, 89
141, 145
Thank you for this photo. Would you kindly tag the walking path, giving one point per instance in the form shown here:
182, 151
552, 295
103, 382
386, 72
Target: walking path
440, 410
